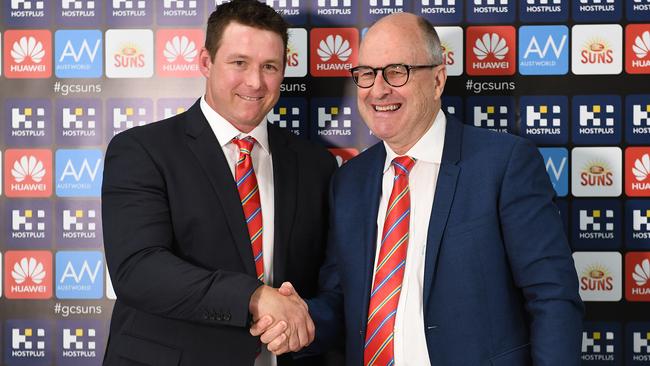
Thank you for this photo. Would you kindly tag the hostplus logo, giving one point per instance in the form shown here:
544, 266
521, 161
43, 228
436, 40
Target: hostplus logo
79, 12
129, 9
29, 222
375, 9
637, 271
596, 171
491, 11
78, 54
557, 168
123, 114
29, 122
637, 10
440, 11
491, 50
80, 342
79, 122
28, 274
335, 12
544, 119
333, 51
79, 275
597, 119
637, 171
129, 53
28, 173
599, 275
597, 10
543, 50
599, 224
601, 342
495, 113
597, 49
294, 11
637, 214
79, 173
177, 12
543, 10
638, 344
637, 48
79, 223
451, 41
332, 121
28, 54
637, 109
290, 114
20, 12
177, 52
296, 53
169, 107
27, 342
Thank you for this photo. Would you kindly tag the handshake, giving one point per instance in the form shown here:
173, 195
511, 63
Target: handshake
281, 319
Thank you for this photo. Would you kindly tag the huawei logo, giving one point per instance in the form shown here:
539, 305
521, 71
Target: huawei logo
180, 47
490, 44
641, 45
28, 166
28, 268
641, 273
334, 46
641, 168
27, 47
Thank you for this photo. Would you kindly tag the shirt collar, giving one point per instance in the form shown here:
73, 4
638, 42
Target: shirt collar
429, 146
225, 131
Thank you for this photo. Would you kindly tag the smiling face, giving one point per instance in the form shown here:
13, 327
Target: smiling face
243, 79
399, 115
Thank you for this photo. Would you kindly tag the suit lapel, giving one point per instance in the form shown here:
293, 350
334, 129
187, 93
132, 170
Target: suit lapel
443, 199
285, 188
207, 150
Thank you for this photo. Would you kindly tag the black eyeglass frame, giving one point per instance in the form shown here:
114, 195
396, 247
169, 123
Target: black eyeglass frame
375, 70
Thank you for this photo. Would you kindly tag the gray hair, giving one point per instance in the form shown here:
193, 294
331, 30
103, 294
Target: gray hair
431, 39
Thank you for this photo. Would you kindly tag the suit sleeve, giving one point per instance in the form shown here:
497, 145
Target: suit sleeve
147, 273
540, 258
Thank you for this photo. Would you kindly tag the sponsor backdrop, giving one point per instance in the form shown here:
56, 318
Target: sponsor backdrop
572, 76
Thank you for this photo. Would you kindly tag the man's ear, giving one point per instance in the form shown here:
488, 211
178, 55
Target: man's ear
205, 62
441, 79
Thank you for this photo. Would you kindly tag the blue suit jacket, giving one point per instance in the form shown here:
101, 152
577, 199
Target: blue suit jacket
500, 286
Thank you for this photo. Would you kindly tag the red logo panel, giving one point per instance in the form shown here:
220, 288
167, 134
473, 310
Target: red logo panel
491, 50
637, 48
28, 54
333, 51
28, 173
637, 171
343, 155
177, 52
637, 276
28, 274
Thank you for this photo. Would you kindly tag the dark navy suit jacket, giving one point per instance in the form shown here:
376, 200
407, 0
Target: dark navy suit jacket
500, 286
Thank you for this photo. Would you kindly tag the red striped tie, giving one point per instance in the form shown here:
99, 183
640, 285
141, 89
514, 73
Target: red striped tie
249, 194
390, 269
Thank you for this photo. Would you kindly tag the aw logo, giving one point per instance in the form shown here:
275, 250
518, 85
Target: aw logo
121, 13
333, 51
333, 121
637, 171
597, 225
122, 114
290, 114
596, 171
79, 173
180, 12
453, 106
600, 275
169, 107
28, 173
545, 119
28, 342
177, 52
79, 122
597, 10
491, 50
637, 49
28, 54
79, 12
293, 11
544, 11
129, 53
79, 275
334, 12
637, 276
342, 155
440, 11
78, 53
597, 119
596, 49
637, 121
79, 224
637, 10
637, 349
28, 274
451, 40
494, 113
296, 53
543, 50
601, 344
28, 122
17, 13
556, 160
491, 11
637, 228
80, 342
373, 10
28, 223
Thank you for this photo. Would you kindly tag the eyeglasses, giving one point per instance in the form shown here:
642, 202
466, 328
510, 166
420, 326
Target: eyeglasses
395, 75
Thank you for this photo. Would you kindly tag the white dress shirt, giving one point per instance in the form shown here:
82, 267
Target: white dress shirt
263, 167
409, 342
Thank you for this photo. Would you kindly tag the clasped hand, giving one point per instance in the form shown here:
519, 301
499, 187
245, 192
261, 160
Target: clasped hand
281, 319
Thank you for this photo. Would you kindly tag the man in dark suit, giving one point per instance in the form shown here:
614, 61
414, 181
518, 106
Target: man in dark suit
204, 212
445, 247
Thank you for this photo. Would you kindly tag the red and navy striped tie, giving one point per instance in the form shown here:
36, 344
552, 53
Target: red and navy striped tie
389, 272
249, 193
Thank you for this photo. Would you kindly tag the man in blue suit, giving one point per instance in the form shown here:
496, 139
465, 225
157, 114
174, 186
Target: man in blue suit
445, 246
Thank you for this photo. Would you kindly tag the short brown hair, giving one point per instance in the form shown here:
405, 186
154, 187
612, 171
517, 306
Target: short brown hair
251, 13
